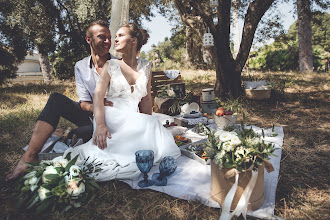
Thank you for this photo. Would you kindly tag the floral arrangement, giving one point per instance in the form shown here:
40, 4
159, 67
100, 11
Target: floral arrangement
240, 148
58, 184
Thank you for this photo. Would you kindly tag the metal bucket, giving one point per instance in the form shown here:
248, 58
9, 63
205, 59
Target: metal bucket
208, 95
209, 107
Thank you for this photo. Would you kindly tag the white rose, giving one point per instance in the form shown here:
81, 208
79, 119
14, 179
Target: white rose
33, 187
42, 193
73, 188
33, 180
60, 161
235, 140
225, 136
74, 170
29, 175
49, 170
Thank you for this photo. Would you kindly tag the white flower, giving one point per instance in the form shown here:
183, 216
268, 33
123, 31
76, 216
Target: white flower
74, 170
49, 170
33, 180
33, 187
218, 133
42, 193
29, 175
226, 136
73, 188
254, 141
235, 140
239, 152
46, 162
227, 146
60, 161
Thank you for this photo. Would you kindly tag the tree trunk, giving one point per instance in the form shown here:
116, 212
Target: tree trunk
45, 65
305, 36
194, 47
228, 70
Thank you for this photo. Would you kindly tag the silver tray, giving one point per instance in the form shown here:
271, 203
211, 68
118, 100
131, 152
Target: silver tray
191, 154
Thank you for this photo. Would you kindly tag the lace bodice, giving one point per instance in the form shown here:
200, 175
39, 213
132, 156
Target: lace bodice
120, 88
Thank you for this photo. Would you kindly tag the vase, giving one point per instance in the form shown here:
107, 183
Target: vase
220, 187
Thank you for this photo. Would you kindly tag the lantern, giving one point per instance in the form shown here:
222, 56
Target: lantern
208, 40
214, 3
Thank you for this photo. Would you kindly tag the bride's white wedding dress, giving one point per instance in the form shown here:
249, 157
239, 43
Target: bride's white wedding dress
130, 130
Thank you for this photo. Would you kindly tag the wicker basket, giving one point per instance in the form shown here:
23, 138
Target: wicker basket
225, 120
257, 94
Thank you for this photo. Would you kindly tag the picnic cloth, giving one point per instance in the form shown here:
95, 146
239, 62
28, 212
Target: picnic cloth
192, 180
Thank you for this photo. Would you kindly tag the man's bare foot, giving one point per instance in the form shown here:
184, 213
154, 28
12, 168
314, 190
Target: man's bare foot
21, 167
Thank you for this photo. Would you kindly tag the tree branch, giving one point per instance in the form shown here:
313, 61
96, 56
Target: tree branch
253, 16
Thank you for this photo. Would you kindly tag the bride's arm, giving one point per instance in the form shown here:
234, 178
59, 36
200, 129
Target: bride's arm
101, 131
146, 103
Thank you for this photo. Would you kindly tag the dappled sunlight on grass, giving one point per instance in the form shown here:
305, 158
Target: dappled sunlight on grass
299, 103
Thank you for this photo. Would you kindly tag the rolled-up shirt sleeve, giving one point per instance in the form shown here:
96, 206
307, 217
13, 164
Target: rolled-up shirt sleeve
82, 92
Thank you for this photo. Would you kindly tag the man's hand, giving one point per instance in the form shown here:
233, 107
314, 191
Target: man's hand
100, 136
107, 102
88, 106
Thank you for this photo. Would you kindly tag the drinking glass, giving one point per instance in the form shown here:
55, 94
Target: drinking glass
166, 167
144, 161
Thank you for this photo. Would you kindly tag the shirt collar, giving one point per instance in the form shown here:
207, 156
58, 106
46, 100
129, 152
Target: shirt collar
91, 60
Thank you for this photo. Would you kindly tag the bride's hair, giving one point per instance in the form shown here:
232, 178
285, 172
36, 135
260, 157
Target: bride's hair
140, 34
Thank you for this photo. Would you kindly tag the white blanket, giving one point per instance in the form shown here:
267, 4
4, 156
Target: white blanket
192, 180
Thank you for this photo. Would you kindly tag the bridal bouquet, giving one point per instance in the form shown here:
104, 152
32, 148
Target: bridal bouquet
57, 184
240, 148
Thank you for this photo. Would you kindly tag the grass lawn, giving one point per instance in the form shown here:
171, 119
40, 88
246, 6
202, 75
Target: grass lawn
299, 103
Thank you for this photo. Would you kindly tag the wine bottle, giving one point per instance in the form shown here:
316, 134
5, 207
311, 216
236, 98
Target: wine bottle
64, 138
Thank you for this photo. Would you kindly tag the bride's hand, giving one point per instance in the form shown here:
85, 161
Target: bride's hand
100, 136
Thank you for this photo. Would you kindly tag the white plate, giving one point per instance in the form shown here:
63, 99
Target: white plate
196, 115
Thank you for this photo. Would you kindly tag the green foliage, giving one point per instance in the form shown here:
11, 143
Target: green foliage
239, 149
171, 51
13, 45
66, 57
283, 54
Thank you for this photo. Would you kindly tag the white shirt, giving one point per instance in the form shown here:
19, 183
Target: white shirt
86, 79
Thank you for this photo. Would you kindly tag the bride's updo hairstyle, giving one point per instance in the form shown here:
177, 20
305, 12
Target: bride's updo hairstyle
140, 34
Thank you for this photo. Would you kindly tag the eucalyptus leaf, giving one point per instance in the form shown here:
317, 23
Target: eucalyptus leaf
44, 204
72, 162
51, 176
68, 156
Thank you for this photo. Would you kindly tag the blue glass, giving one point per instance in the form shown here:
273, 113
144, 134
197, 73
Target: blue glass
144, 161
166, 167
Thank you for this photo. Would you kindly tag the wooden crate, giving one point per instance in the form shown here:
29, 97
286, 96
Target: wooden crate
257, 94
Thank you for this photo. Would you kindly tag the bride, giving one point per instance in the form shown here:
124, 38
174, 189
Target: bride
121, 130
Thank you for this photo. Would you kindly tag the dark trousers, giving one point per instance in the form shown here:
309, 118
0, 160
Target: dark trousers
59, 105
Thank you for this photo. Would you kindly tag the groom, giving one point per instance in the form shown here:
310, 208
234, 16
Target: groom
87, 72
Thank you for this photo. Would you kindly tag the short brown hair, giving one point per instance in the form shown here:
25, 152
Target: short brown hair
98, 22
140, 34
